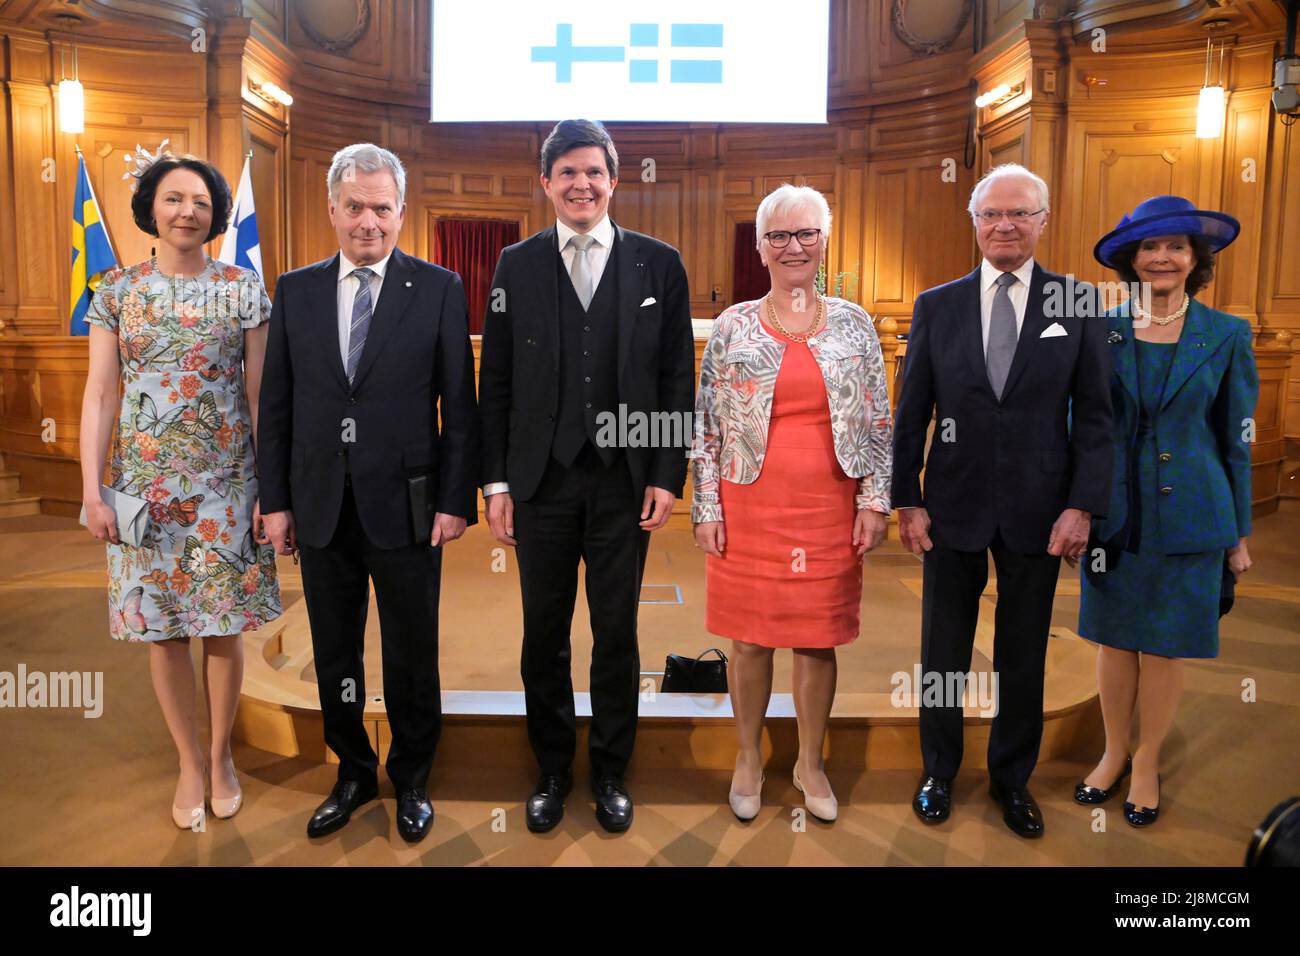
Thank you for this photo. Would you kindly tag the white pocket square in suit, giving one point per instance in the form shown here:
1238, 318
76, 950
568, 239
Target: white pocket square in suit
650, 301
1053, 330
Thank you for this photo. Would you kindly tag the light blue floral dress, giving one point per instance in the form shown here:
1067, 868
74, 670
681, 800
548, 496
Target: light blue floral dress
184, 443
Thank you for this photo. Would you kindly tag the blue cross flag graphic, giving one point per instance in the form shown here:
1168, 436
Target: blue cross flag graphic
640, 69
682, 61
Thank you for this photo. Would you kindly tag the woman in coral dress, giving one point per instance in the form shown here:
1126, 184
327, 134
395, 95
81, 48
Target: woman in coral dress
185, 336
792, 463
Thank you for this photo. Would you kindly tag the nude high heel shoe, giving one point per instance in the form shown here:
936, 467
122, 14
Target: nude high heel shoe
226, 807
746, 806
186, 817
825, 809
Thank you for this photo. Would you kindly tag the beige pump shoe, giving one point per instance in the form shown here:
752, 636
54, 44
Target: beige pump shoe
825, 809
185, 819
224, 808
746, 806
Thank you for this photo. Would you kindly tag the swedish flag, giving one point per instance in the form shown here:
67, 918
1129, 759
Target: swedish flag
92, 253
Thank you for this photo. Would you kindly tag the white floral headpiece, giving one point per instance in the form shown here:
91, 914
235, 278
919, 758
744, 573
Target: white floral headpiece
143, 159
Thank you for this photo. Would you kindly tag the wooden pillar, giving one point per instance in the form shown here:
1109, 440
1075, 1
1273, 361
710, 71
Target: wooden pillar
38, 184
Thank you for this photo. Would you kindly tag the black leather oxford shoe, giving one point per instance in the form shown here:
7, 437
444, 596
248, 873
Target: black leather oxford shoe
546, 804
1019, 811
414, 814
933, 799
1094, 795
337, 809
613, 805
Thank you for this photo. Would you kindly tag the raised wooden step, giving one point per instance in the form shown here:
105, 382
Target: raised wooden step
279, 712
1289, 483
16, 507
9, 481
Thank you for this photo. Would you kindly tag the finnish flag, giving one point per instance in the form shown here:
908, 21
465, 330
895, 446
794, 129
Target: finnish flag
241, 246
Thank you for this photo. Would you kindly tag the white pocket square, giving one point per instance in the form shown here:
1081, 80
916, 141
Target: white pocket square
1053, 330
650, 301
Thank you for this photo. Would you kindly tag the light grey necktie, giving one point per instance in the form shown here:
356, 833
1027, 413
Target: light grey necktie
580, 272
1002, 335
361, 312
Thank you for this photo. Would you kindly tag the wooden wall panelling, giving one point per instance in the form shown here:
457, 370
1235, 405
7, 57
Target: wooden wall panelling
444, 193
850, 37
1002, 17
895, 72
907, 205
268, 173
1244, 186
1268, 453
1279, 277
311, 237
387, 64
43, 377
114, 128
8, 236
1113, 166
35, 205
270, 14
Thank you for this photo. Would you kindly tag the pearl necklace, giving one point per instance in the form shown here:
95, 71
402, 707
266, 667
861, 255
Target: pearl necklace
807, 333
1141, 313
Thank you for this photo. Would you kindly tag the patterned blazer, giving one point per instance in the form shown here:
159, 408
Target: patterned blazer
734, 403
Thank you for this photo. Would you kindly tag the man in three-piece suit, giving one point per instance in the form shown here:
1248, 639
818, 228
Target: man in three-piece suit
1019, 462
583, 317
368, 351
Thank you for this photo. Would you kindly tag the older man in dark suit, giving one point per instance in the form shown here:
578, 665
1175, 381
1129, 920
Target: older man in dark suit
369, 351
1019, 462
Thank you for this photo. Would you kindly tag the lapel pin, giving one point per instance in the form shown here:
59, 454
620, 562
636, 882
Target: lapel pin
1115, 338
408, 283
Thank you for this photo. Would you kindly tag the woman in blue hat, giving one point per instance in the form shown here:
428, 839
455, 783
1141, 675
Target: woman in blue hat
1184, 387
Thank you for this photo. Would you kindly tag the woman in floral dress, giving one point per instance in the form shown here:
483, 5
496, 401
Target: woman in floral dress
186, 336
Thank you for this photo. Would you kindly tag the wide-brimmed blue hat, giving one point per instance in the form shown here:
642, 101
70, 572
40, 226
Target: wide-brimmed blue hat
1166, 216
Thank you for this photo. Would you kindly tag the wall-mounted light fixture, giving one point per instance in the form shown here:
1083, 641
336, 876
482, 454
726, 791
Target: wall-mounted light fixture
1213, 98
72, 95
272, 93
999, 94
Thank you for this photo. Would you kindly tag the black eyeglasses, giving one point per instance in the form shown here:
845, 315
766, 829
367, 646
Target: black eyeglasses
780, 238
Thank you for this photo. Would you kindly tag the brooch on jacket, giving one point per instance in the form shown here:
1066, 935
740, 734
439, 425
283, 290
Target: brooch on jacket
1115, 338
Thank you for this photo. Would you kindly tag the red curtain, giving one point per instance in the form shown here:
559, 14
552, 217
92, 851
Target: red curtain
470, 247
751, 278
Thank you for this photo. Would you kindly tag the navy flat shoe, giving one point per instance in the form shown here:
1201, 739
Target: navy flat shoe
1094, 795
1141, 816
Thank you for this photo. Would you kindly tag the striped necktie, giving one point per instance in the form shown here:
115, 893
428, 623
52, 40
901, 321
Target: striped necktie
362, 308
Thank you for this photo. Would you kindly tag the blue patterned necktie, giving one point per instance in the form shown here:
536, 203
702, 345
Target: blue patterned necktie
361, 312
1002, 335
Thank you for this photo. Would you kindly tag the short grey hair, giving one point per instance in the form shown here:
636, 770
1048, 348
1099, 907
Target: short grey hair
1008, 171
365, 158
787, 196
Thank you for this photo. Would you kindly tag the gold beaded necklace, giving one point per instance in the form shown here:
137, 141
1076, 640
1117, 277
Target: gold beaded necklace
807, 333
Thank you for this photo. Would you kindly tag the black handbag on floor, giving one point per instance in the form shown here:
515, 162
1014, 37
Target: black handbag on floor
695, 675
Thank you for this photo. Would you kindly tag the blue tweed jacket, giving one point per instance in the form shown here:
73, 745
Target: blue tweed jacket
1203, 432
